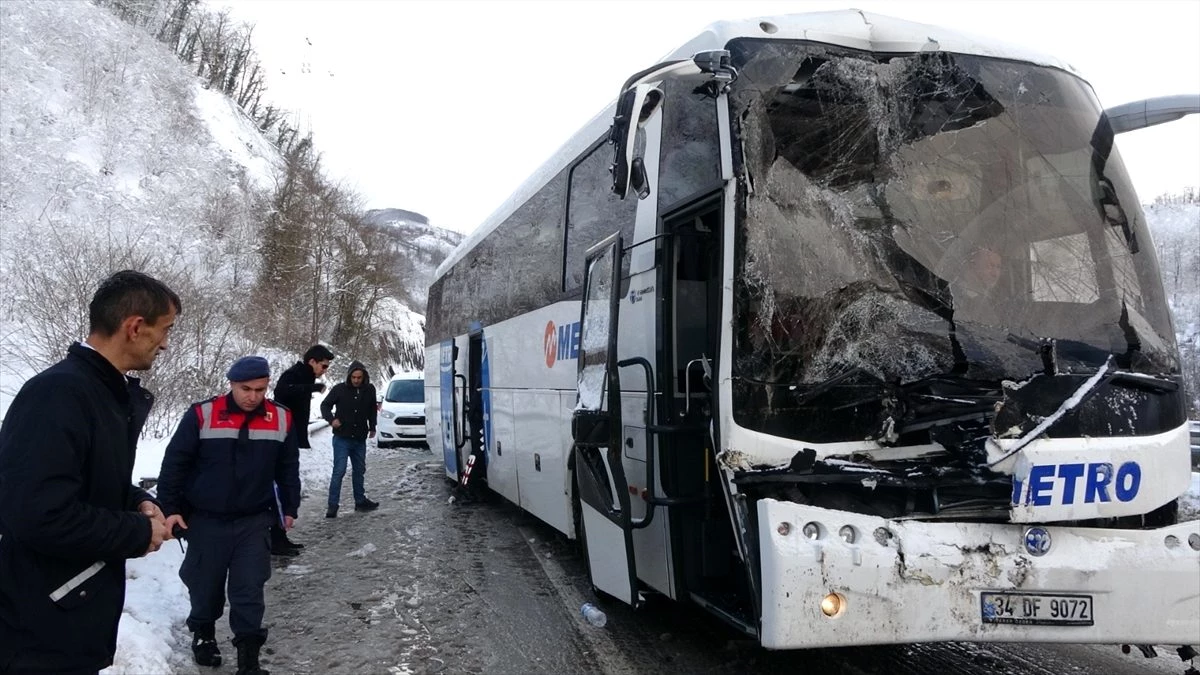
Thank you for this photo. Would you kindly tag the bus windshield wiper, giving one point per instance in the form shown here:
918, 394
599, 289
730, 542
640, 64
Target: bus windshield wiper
923, 403
942, 399
813, 391
1131, 380
1071, 402
1052, 350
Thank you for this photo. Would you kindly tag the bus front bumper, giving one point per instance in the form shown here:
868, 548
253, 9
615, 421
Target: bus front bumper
911, 581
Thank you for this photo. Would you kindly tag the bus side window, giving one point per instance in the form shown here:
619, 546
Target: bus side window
691, 147
696, 284
594, 212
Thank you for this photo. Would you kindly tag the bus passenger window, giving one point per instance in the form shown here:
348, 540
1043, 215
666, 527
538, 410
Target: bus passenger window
696, 289
594, 212
691, 150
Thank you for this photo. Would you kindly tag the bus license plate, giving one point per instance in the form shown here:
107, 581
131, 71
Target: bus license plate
1037, 609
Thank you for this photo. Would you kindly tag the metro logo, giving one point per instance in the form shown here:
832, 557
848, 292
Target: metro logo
1077, 483
560, 343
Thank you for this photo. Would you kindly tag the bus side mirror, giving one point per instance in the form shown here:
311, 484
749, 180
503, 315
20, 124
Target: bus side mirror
1152, 111
636, 104
638, 180
640, 98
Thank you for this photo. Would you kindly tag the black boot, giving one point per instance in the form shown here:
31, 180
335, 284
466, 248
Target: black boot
279, 539
280, 544
247, 649
284, 551
204, 647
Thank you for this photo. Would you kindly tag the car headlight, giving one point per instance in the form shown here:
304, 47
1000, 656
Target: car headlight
387, 415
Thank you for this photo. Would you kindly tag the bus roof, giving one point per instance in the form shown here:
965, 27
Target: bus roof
850, 28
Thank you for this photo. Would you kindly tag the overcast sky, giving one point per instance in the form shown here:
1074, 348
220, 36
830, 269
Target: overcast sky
445, 107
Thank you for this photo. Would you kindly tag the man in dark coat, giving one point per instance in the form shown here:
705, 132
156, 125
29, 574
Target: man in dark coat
297, 385
350, 410
295, 390
217, 483
69, 513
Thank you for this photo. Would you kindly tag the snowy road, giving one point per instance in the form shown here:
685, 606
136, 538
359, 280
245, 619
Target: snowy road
425, 586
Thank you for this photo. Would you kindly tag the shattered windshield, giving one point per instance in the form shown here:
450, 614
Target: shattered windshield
915, 217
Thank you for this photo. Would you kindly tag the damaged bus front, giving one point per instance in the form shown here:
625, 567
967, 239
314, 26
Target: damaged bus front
950, 404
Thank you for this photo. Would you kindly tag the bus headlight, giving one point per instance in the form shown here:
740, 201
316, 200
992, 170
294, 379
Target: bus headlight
812, 530
833, 605
848, 534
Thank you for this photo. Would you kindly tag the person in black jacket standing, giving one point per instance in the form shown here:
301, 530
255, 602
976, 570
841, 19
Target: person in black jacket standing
297, 385
350, 410
217, 483
295, 390
69, 513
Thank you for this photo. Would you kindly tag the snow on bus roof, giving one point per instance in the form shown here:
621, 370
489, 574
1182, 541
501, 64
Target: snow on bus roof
850, 28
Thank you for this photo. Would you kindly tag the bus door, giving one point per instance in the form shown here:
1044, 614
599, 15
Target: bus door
691, 283
693, 180
473, 452
450, 407
693, 293
597, 430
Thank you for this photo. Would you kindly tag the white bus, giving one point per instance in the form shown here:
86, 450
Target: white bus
844, 328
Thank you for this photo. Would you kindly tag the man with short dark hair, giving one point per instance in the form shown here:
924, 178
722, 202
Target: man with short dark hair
217, 482
297, 385
295, 390
69, 513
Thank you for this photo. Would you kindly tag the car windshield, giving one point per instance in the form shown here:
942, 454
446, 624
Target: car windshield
907, 217
405, 391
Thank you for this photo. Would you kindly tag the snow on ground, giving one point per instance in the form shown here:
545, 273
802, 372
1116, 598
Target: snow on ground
156, 605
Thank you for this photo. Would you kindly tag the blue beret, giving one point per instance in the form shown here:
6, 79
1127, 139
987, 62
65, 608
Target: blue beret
249, 368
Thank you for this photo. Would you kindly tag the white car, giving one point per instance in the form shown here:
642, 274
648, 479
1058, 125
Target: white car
402, 411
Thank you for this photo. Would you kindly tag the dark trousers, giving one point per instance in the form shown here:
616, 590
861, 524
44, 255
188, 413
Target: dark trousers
237, 552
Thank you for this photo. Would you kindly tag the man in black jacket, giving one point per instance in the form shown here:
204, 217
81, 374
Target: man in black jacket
350, 410
217, 482
69, 513
295, 390
297, 385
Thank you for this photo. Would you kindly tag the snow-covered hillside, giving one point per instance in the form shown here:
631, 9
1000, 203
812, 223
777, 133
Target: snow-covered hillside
420, 245
114, 155
104, 126
1175, 225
